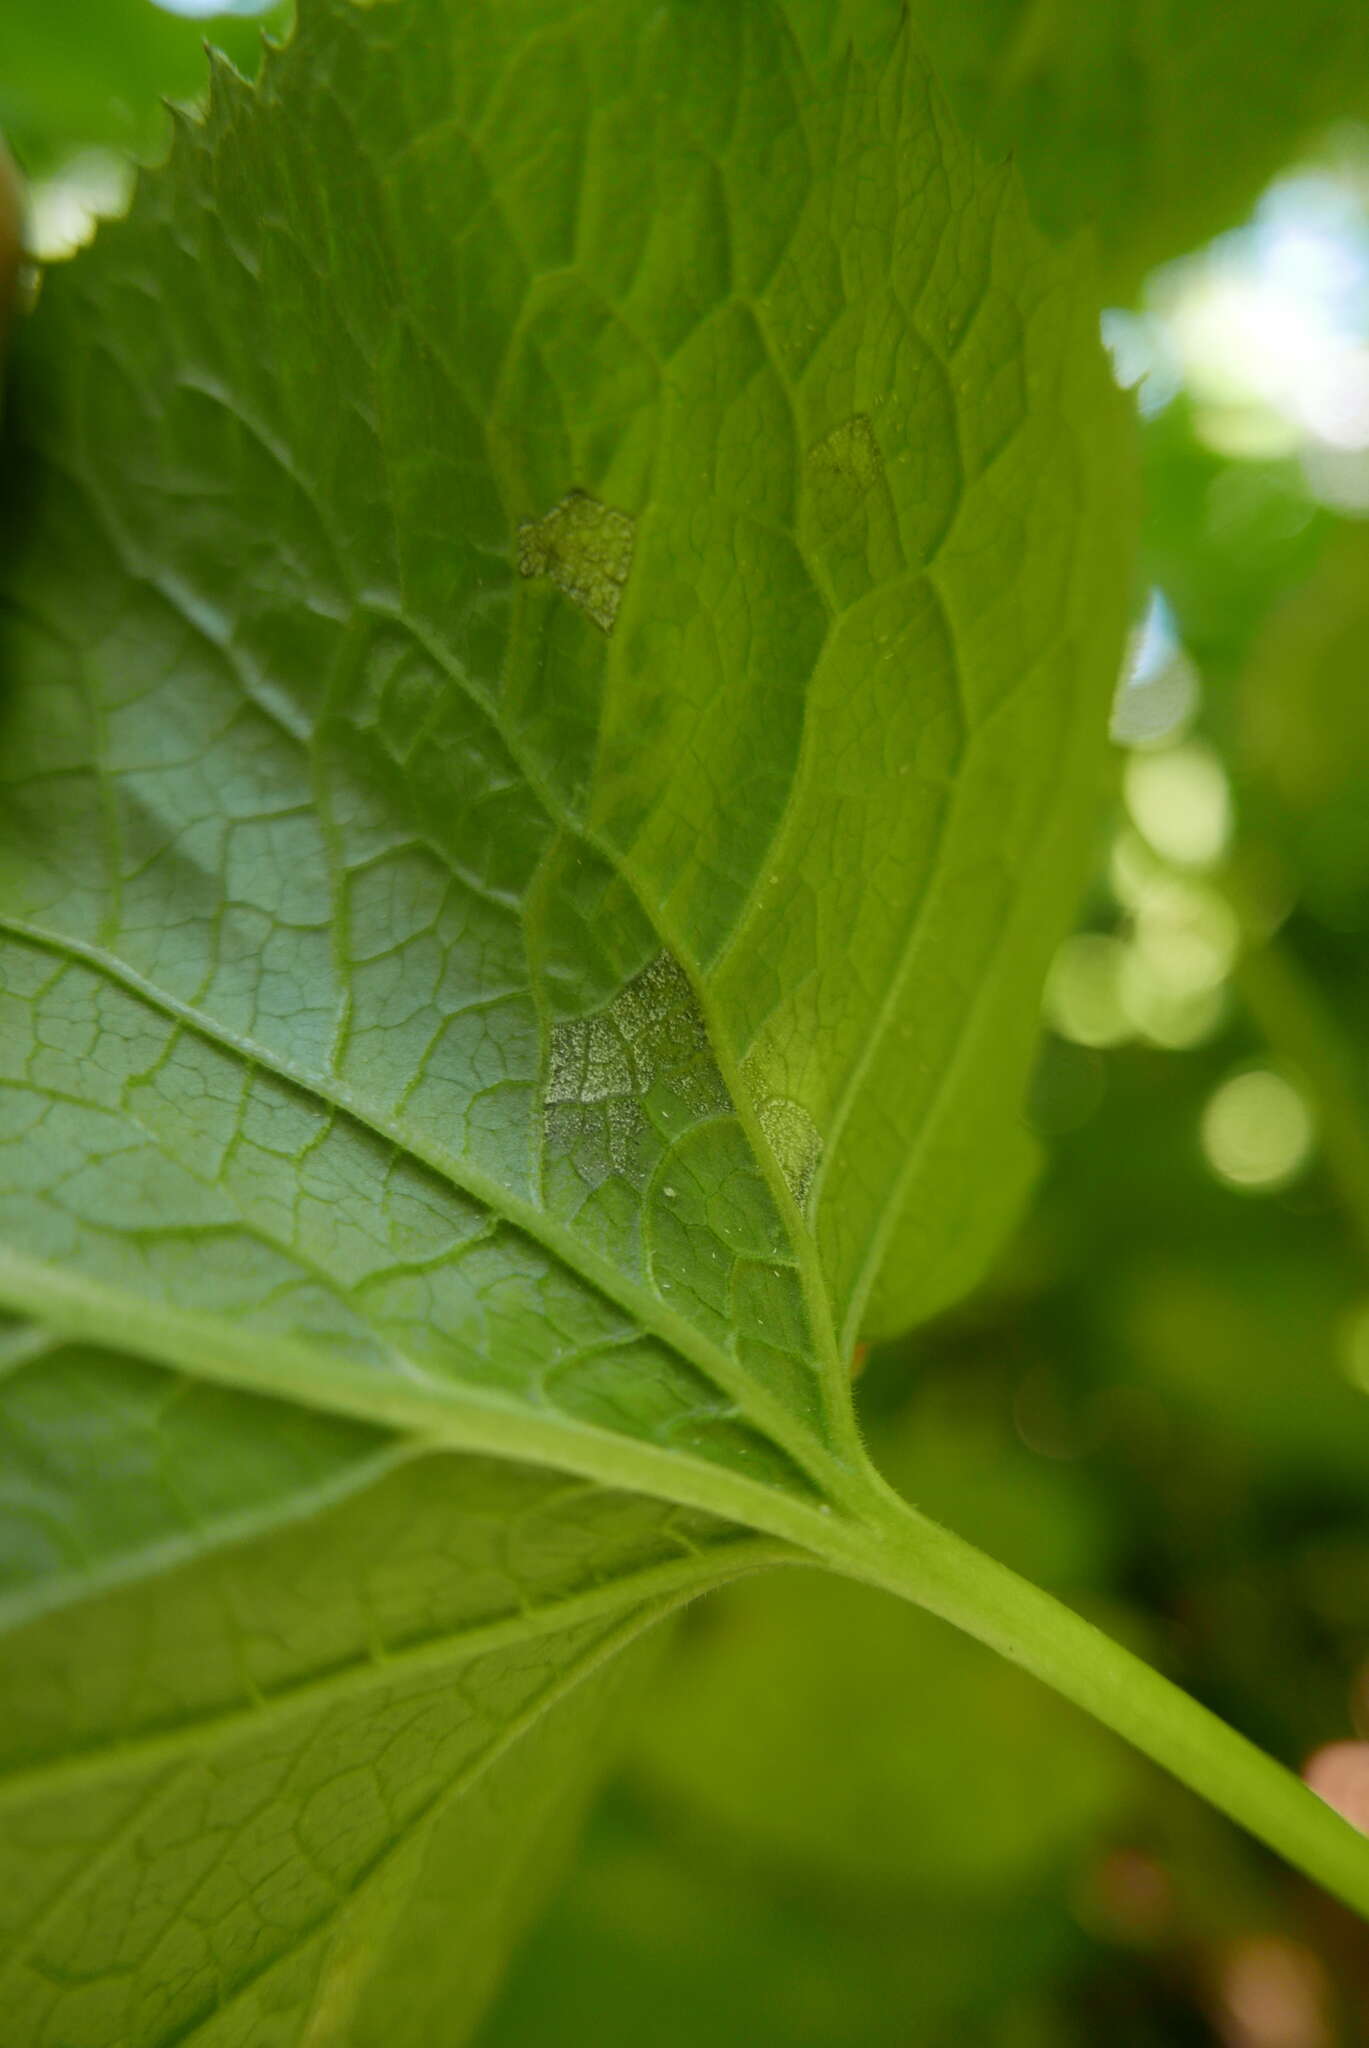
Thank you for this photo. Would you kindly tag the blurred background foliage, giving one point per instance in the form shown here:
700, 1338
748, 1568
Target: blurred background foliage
840, 1825
89, 75
1151, 122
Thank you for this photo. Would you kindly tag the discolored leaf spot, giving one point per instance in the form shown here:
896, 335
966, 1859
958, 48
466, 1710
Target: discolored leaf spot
794, 1139
626, 1081
585, 549
842, 468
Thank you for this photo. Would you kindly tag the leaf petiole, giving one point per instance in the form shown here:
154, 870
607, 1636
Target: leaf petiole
901, 1550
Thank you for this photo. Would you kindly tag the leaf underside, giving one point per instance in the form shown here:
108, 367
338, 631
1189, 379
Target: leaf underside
562, 577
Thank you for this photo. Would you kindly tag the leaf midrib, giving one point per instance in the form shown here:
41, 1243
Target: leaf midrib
827, 1360
452, 1416
369, 608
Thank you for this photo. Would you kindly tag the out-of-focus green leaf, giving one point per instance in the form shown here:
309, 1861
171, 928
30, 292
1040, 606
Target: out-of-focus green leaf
896, 1728
676, 1939
1256, 1352
1225, 541
1303, 732
895, 1725
1154, 123
9, 242
955, 1451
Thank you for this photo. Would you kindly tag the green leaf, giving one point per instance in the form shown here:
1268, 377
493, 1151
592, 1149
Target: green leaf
564, 577
278, 1688
405, 864
1154, 125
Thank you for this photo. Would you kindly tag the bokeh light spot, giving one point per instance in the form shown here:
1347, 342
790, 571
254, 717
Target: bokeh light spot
1339, 1774
1181, 802
1274, 1994
1267, 329
1158, 693
63, 211
205, 10
1257, 1131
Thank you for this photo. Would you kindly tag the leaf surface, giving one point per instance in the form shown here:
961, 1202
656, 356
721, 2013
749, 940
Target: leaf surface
620, 961
278, 1690
562, 581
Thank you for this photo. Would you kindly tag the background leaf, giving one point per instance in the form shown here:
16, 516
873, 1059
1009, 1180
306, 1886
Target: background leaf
1153, 125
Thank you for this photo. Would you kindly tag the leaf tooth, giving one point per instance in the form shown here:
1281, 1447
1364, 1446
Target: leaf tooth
186, 118
226, 82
